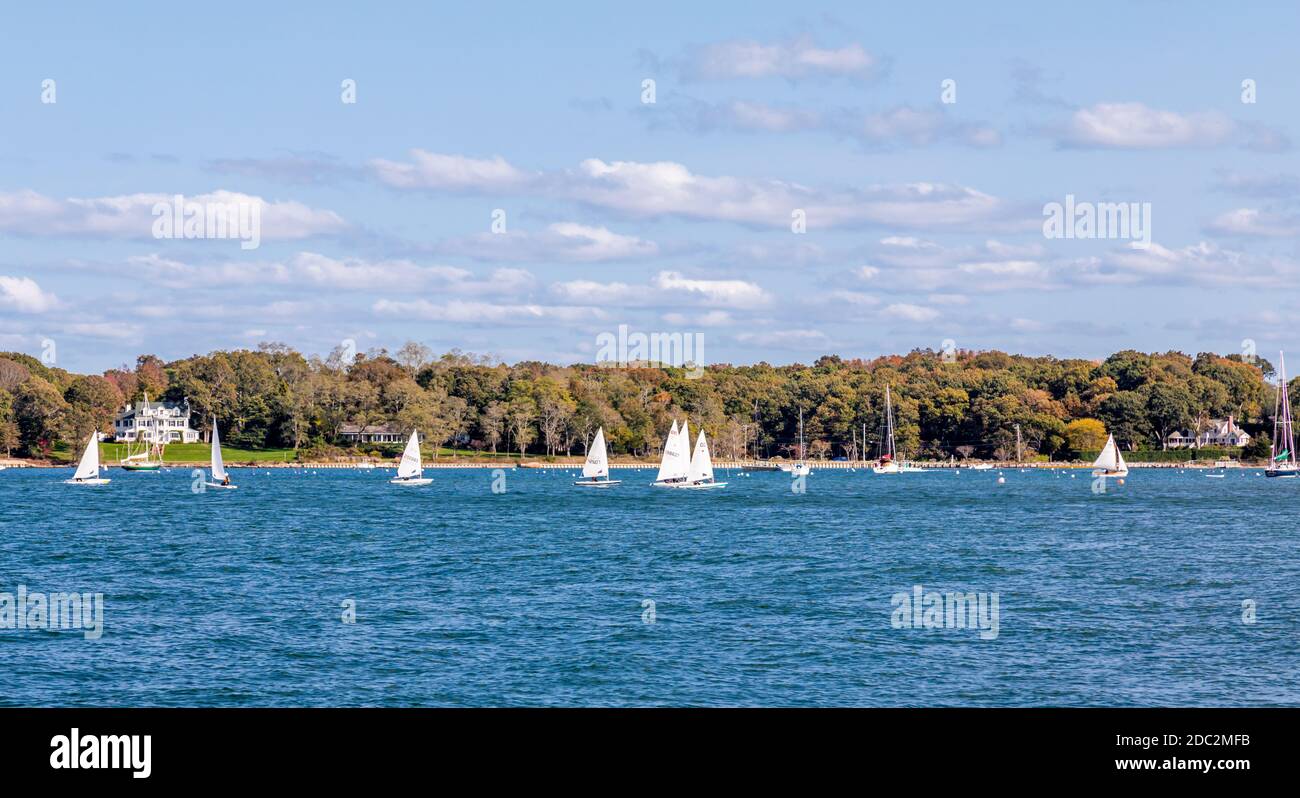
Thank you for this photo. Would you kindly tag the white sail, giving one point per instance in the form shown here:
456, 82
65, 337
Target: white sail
410, 466
597, 464
674, 463
1109, 459
701, 463
218, 465
88, 468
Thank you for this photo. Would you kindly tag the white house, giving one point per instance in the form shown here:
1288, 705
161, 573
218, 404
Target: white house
155, 422
1220, 432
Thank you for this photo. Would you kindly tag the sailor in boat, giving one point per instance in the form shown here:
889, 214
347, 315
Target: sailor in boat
225, 482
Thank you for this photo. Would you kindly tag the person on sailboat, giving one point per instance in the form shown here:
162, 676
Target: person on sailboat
226, 481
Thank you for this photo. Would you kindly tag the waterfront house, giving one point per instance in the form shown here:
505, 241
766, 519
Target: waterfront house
1220, 432
155, 422
371, 433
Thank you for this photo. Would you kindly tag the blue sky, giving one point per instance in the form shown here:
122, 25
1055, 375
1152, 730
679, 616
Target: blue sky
923, 218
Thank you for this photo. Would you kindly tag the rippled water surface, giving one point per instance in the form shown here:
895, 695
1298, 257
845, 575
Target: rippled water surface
762, 596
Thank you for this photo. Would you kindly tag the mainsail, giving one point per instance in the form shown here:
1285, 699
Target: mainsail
218, 465
674, 463
88, 468
701, 464
1110, 459
410, 466
597, 464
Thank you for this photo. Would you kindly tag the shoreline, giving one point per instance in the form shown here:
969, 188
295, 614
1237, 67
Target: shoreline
576, 463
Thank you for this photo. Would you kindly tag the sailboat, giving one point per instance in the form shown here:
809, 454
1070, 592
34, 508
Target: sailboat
220, 479
674, 465
88, 469
801, 468
595, 472
1110, 463
1282, 461
411, 471
888, 453
700, 475
149, 458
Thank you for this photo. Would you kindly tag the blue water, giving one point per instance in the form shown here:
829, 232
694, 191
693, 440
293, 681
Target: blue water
761, 596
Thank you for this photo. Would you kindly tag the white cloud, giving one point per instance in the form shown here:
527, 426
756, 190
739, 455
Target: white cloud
131, 215
563, 241
803, 339
24, 295
906, 312
467, 312
1255, 222
922, 126
728, 293
1137, 126
794, 59
431, 170
666, 288
666, 189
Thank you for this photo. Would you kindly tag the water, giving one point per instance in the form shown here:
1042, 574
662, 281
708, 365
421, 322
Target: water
762, 597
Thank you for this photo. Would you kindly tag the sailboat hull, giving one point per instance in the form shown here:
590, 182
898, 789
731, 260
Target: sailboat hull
141, 467
700, 485
86, 481
797, 470
1101, 473
410, 481
219, 486
598, 483
1281, 473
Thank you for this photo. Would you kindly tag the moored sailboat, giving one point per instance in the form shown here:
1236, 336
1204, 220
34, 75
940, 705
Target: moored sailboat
801, 468
595, 472
888, 457
1282, 459
220, 479
410, 471
87, 472
1110, 463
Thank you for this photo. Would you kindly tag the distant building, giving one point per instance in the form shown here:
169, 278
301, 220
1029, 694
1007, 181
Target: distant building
371, 433
1221, 432
155, 422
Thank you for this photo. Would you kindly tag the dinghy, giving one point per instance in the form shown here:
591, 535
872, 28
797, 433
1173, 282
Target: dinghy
674, 465
595, 472
1282, 461
411, 471
1110, 463
88, 469
700, 474
220, 479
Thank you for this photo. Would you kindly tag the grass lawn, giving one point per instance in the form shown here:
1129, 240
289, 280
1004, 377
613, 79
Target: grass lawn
110, 453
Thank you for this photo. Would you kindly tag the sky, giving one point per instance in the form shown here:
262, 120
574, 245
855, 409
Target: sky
783, 181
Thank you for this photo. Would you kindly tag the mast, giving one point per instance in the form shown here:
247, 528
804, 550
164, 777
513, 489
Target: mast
889, 426
801, 455
1282, 432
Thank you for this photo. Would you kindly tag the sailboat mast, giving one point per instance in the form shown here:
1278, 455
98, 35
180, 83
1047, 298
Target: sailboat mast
1288, 437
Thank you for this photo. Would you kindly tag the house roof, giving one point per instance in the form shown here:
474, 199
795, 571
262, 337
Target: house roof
369, 429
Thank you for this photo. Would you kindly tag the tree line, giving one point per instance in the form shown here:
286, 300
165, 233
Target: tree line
963, 404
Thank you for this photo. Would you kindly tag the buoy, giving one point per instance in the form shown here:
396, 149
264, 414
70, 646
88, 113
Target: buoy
1002, 480
1121, 480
